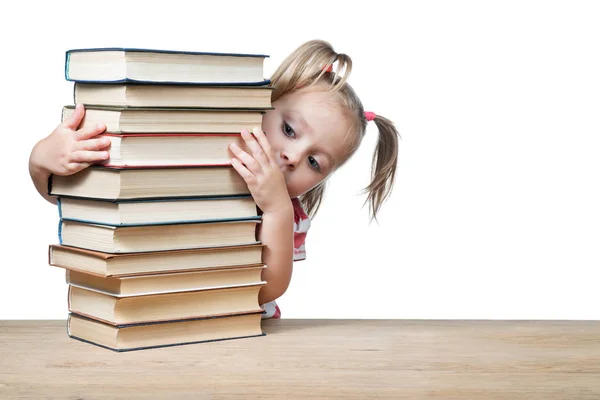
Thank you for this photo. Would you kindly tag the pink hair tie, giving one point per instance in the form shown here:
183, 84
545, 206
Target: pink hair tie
370, 116
328, 68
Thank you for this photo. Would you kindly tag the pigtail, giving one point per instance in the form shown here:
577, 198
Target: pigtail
315, 62
308, 65
383, 165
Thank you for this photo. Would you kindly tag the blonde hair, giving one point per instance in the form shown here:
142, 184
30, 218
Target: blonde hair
308, 66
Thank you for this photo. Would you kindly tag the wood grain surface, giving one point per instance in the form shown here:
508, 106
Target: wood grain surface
316, 359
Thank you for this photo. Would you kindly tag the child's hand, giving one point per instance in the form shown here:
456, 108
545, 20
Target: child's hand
68, 150
261, 172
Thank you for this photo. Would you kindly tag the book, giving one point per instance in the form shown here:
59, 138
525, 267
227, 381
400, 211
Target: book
167, 282
154, 211
123, 64
114, 183
172, 96
139, 309
140, 238
167, 120
126, 264
171, 150
156, 335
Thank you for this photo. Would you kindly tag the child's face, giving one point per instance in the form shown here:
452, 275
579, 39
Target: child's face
306, 131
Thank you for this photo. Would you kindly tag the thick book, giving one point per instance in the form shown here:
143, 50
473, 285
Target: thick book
115, 310
126, 264
244, 275
116, 183
172, 96
156, 211
166, 66
170, 333
133, 239
171, 149
167, 120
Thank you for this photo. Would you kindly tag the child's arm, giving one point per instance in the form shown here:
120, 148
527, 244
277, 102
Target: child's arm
268, 188
276, 233
66, 151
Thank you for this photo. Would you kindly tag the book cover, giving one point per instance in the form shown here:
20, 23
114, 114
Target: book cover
178, 73
136, 94
117, 183
151, 211
135, 150
169, 222
146, 308
167, 282
135, 120
163, 334
146, 238
104, 264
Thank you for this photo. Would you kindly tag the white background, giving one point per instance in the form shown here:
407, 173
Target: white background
495, 213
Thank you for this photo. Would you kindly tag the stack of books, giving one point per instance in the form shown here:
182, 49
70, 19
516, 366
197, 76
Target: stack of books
159, 242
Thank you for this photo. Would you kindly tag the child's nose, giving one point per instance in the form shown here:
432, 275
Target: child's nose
290, 159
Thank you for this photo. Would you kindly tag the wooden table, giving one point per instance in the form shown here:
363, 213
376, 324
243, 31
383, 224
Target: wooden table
311, 359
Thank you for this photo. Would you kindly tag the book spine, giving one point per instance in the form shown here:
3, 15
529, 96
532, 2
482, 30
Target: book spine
59, 206
257, 218
60, 232
50, 255
69, 295
67, 60
50, 184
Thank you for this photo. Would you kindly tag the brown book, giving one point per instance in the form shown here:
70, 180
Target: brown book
177, 96
135, 212
167, 120
115, 310
124, 286
140, 238
171, 149
110, 183
125, 264
169, 333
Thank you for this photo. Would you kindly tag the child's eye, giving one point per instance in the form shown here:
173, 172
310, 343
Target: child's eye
288, 131
313, 163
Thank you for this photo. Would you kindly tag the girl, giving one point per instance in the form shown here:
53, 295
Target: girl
317, 123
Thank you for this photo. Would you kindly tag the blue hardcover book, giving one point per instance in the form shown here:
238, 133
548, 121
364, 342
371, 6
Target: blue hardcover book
158, 237
121, 64
157, 211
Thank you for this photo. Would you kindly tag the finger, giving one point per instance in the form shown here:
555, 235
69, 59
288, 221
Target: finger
264, 143
87, 156
73, 121
255, 148
243, 171
86, 133
75, 167
245, 158
100, 143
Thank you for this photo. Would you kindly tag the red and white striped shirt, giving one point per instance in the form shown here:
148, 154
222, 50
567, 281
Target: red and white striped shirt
301, 225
